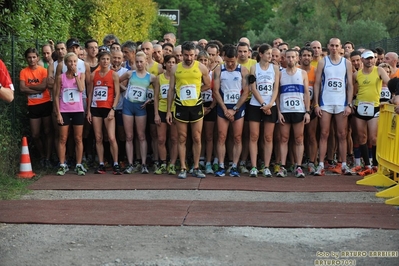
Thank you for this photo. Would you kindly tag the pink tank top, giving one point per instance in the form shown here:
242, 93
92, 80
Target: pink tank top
70, 96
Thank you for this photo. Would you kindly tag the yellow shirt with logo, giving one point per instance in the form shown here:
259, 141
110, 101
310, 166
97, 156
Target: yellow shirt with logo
163, 94
188, 85
369, 87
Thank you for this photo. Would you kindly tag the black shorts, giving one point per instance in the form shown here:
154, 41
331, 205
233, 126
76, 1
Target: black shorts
99, 112
189, 114
75, 119
366, 118
211, 116
293, 118
162, 115
257, 115
40, 110
247, 114
118, 118
150, 114
238, 115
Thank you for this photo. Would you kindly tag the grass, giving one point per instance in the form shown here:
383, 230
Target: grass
13, 187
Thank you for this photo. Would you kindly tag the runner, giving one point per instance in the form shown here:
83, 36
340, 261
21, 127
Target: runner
33, 83
134, 109
333, 90
231, 92
293, 106
186, 78
103, 96
367, 87
160, 107
68, 103
6, 85
262, 108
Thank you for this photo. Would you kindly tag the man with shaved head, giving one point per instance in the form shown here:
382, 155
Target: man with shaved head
158, 53
316, 47
391, 58
170, 38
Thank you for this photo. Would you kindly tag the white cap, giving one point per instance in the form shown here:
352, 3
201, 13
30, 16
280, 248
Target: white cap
367, 54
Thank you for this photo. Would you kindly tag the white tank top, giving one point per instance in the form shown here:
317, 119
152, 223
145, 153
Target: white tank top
264, 84
230, 84
119, 106
333, 83
292, 92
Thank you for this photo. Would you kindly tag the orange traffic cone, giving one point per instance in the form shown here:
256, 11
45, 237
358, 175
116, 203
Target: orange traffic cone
25, 167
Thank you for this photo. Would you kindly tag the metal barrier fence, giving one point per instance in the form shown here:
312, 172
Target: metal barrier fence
389, 45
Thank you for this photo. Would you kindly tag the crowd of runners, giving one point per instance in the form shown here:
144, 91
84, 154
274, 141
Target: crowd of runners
207, 108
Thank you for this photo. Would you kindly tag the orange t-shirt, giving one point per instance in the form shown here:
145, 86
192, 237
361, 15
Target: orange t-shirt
35, 77
103, 90
395, 75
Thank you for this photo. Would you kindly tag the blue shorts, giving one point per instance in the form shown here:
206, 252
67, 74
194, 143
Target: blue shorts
239, 114
133, 109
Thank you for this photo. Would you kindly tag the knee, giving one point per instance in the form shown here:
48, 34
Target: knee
197, 139
268, 138
284, 139
254, 137
237, 139
299, 140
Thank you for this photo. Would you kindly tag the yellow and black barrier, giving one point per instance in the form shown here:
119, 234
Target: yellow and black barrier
387, 156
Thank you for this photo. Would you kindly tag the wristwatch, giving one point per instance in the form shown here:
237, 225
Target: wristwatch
235, 108
75, 74
308, 112
263, 104
113, 108
350, 105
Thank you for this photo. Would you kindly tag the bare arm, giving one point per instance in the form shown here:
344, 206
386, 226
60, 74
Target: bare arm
6, 94
205, 78
244, 86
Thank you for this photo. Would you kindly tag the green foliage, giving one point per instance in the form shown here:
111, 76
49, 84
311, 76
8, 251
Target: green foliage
360, 31
159, 27
12, 188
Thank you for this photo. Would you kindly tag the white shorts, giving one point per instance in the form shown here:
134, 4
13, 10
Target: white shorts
333, 109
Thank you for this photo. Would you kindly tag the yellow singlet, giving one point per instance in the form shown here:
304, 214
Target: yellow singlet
369, 87
163, 94
188, 85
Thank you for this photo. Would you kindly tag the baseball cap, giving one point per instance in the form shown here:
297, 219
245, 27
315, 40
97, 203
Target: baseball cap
367, 54
72, 42
103, 48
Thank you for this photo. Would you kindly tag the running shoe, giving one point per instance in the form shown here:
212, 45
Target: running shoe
234, 172
253, 172
267, 173
337, 169
100, 169
262, 167
276, 168
220, 172
198, 173
182, 174
116, 169
311, 168
161, 170
129, 169
172, 169
299, 173
367, 171
356, 169
282, 172
208, 169
62, 170
319, 171
243, 169
80, 170
144, 169
215, 167
346, 170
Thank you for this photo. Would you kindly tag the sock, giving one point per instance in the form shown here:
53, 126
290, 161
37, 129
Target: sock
242, 163
357, 161
221, 165
115, 163
208, 163
364, 151
321, 164
234, 165
343, 165
374, 151
215, 160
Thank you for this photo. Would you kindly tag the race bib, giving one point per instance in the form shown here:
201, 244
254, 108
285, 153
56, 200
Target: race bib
311, 92
293, 104
265, 88
71, 95
36, 96
231, 97
136, 94
385, 93
150, 93
100, 93
188, 92
335, 85
164, 91
365, 109
207, 96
